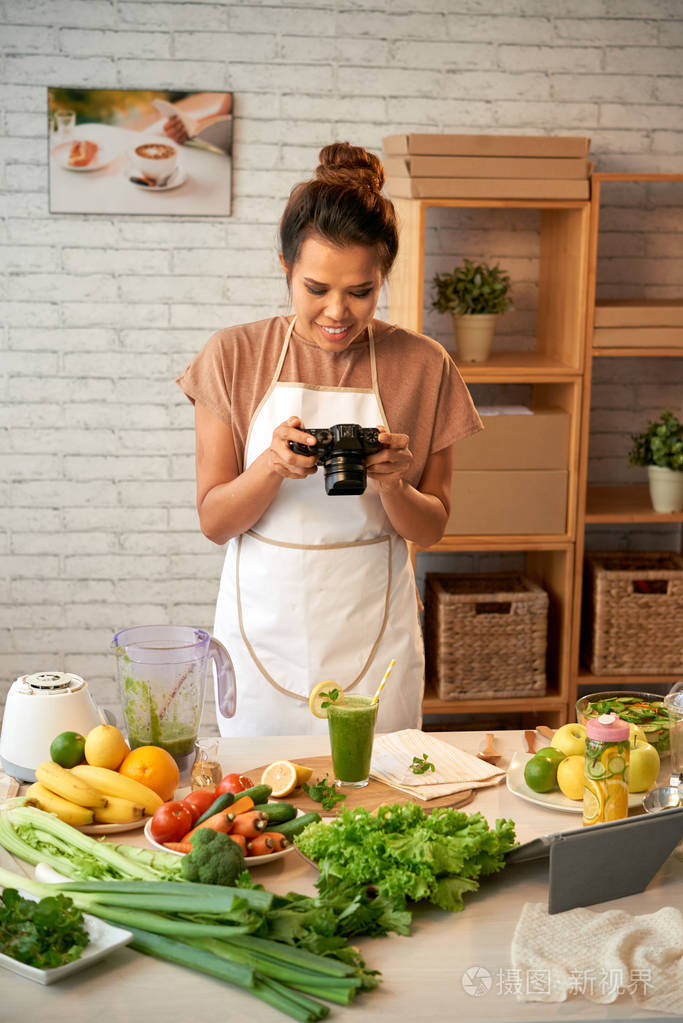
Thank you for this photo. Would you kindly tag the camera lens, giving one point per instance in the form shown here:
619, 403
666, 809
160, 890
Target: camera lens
344, 475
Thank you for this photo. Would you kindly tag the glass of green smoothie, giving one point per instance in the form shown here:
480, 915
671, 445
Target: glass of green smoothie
352, 730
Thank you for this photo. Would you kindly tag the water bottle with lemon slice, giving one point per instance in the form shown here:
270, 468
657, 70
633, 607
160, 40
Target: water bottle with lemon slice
605, 792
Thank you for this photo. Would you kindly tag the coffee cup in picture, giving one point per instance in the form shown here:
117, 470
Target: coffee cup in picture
155, 157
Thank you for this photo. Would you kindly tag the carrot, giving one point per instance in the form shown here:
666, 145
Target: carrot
181, 847
279, 841
241, 841
241, 805
219, 822
249, 824
260, 846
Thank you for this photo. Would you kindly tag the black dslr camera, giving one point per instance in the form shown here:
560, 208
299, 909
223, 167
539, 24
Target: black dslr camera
342, 450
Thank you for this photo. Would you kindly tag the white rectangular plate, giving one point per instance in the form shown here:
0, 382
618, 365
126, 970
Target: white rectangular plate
103, 939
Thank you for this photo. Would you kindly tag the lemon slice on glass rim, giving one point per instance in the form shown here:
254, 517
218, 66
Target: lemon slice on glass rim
321, 694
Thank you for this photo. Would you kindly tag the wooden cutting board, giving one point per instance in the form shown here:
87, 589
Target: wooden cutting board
375, 793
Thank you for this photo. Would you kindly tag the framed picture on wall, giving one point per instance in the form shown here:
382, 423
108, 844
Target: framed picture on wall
140, 151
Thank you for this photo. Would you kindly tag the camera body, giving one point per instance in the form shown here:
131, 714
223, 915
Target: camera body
342, 450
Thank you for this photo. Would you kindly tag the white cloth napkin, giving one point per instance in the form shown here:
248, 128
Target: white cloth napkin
454, 770
601, 956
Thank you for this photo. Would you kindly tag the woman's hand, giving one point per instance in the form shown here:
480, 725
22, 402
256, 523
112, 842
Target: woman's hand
175, 129
285, 462
389, 467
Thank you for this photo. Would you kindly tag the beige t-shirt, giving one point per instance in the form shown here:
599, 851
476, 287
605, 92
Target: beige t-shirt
422, 392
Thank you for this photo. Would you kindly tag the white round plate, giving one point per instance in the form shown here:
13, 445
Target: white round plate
554, 800
177, 178
111, 829
103, 157
250, 861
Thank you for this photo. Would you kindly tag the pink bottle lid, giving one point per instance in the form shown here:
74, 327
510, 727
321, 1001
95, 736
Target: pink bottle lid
607, 728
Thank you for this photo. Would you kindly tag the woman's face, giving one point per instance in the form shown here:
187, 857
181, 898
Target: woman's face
334, 291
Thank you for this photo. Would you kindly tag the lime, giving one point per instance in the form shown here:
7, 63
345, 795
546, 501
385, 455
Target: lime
551, 753
540, 774
67, 749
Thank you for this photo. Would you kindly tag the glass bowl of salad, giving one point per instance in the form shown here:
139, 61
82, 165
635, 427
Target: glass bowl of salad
646, 710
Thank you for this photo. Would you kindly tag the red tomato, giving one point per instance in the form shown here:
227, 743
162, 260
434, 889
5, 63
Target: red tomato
234, 783
199, 802
171, 822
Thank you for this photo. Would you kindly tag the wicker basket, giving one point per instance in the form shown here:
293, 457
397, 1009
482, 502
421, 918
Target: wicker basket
633, 613
485, 635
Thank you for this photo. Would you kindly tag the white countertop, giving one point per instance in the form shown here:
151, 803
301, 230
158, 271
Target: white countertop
422, 974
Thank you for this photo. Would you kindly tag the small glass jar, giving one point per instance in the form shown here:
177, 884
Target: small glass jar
206, 770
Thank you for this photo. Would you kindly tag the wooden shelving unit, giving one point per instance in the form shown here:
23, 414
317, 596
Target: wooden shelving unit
558, 366
553, 365
610, 504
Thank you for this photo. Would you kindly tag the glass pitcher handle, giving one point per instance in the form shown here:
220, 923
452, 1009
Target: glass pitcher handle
226, 688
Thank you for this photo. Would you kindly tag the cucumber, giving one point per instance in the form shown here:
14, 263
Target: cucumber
259, 793
278, 813
221, 802
294, 827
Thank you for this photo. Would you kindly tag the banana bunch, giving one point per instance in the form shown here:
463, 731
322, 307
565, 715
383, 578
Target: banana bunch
91, 795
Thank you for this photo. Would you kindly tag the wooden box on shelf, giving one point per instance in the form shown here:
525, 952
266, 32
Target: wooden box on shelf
633, 613
485, 635
512, 477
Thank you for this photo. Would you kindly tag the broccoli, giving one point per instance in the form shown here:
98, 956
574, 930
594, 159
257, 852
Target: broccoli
215, 859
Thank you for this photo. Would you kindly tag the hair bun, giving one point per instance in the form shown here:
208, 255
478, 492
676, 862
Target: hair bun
347, 166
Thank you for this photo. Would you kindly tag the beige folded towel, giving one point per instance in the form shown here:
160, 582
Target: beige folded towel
454, 770
8, 786
602, 956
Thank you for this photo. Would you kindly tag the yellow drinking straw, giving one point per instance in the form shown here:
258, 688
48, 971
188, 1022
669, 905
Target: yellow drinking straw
382, 684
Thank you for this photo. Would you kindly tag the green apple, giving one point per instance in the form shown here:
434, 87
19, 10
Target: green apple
570, 739
644, 766
633, 731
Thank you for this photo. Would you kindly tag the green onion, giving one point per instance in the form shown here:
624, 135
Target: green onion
219, 895
281, 998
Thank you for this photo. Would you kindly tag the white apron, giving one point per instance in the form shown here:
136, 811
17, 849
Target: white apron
321, 588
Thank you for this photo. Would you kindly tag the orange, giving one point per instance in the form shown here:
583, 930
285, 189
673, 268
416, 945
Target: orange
154, 767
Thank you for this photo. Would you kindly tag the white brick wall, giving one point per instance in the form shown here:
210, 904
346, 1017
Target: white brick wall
99, 314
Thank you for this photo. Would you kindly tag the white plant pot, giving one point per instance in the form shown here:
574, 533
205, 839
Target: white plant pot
474, 336
666, 488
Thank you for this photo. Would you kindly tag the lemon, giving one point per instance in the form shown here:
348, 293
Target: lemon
105, 746
324, 692
302, 773
570, 773
66, 749
592, 801
281, 776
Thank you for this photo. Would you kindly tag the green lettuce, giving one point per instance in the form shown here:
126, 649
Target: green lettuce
407, 855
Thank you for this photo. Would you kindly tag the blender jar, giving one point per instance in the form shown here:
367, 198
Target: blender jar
161, 675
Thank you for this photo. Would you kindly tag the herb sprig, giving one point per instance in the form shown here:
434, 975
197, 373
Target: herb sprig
421, 764
43, 934
329, 698
324, 793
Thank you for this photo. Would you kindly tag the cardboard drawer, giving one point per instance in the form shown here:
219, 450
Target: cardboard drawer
517, 441
506, 501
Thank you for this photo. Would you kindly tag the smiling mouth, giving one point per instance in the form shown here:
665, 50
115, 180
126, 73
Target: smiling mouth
334, 332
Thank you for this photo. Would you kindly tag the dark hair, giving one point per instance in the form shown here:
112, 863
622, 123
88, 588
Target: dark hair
344, 204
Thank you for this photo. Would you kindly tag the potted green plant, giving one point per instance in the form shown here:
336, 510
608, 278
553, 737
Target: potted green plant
660, 448
475, 294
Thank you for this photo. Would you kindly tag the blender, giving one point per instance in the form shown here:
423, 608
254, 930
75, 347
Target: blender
162, 674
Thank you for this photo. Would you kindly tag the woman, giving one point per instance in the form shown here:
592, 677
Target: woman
319, 587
